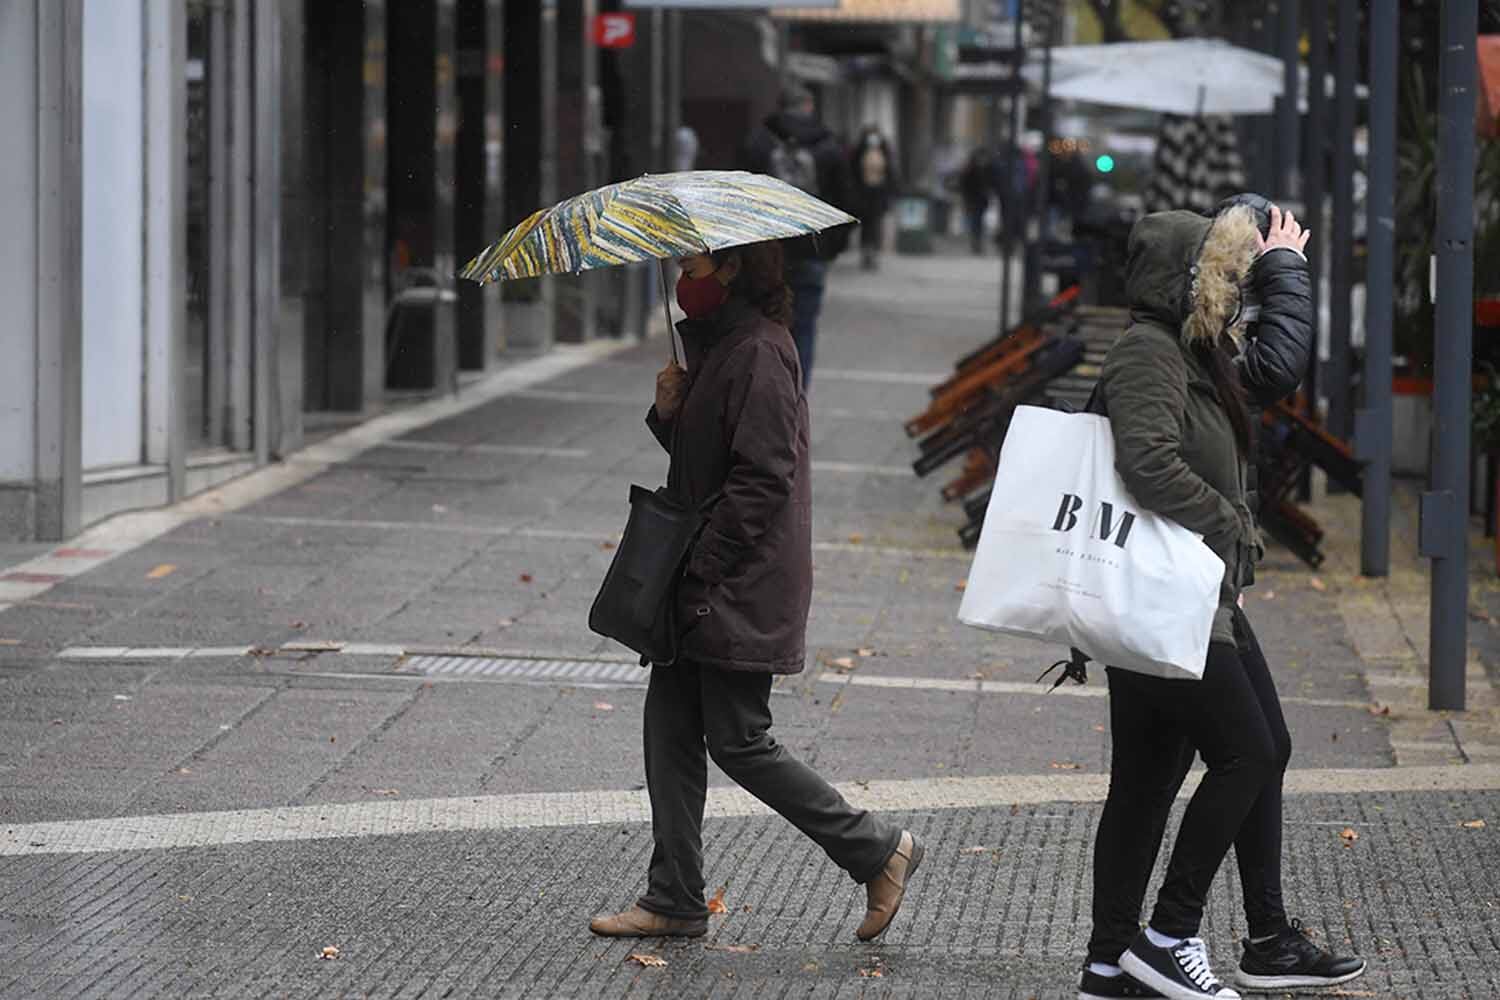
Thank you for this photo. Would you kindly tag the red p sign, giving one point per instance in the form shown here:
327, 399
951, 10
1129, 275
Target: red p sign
614, 31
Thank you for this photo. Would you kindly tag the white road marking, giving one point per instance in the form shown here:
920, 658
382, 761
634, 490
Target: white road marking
482, 448
889, 378
592, 808
1094, 690
126, 532
860, 469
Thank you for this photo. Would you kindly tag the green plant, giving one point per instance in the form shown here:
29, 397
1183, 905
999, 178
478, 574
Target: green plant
1416, 215
1486, 413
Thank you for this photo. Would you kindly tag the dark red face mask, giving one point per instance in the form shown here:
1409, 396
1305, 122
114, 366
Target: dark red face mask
700, 297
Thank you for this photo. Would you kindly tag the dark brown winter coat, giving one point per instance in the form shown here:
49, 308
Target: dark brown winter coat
741, 444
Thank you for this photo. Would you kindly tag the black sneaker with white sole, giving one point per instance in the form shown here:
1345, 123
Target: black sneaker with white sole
1178, 973
1292, 961
1096, 987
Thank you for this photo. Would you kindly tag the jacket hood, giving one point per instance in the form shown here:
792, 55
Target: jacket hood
801, 129
1183, 271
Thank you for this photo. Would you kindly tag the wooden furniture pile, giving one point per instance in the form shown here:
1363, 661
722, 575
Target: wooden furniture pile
1053, 358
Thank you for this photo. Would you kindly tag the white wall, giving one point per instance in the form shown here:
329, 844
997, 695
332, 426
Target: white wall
18, 250
112, 286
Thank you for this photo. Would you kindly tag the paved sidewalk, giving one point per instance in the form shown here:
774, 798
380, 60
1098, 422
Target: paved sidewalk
352, 702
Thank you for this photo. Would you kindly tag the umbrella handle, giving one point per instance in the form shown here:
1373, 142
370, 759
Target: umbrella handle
666, 305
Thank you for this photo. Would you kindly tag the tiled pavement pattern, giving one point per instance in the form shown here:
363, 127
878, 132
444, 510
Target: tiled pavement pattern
489, 530
1000, 910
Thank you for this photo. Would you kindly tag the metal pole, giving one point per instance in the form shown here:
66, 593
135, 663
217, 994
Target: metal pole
1012, 173
1444, 526
1044, 171
547, 188
1340, 243
1373, 431
1315, 176
1287, 32
658, 88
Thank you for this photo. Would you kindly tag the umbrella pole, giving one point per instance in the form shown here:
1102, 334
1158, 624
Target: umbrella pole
666, 305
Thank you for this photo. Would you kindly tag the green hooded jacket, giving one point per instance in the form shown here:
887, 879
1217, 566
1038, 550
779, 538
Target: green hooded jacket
1175, 447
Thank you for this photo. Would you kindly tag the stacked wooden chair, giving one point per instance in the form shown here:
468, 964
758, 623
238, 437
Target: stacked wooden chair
1051, 358
1291, 442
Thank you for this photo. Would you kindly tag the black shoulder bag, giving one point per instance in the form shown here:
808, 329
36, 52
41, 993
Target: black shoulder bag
637, 603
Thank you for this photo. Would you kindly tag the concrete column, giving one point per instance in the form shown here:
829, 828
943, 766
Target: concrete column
265, 286
56, 150
166, 238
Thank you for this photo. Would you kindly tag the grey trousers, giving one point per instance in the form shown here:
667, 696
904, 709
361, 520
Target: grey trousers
694, 713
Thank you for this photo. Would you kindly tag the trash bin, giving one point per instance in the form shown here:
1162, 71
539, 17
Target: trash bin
421, 334
913, 224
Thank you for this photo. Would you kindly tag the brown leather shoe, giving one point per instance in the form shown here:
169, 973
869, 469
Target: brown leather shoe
885, 891
636, 922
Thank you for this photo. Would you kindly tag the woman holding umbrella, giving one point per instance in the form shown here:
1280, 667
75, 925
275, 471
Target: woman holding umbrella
736, 424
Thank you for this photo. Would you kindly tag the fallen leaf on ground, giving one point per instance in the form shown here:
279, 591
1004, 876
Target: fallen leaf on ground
604, 706
184, 770
525, 577
607, 546
329, 954
864, 653
1316, 583
1349, 835
842, 662
876, 970
856, 539
649, 961
738, 949
385, 791
299, 624
10, 642
961, 585
716, 905
980, 849
1098, 729
1378, 709
1066, 765
165, 569
1474, 824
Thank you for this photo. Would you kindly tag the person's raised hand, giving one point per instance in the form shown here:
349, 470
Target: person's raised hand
671, 386
1286, 231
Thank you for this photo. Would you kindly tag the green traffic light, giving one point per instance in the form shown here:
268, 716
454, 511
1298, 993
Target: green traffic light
1105, 163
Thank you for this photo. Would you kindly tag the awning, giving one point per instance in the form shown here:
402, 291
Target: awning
1489, 85
879, 12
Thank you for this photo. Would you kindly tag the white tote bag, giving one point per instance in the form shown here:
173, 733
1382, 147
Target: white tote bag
1066, 556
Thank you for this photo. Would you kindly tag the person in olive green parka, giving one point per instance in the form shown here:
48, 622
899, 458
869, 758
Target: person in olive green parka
1175, 388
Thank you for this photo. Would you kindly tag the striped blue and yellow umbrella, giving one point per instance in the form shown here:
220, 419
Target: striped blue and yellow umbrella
656, 217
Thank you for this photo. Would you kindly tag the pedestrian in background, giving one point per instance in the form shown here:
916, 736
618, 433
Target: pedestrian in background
1176, 388
735, 423
873, 167
794, 146
975, 186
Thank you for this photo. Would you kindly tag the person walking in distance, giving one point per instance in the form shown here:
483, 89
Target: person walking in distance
736, 425
1177, 388
873, 167
794, 146
975, 186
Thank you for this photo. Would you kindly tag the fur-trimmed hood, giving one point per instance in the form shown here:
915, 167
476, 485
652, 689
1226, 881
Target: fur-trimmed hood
1184, 271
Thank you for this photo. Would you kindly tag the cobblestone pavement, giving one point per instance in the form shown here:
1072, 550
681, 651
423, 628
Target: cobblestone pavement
351, 702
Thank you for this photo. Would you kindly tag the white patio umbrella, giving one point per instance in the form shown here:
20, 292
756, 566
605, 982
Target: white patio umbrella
1185, 76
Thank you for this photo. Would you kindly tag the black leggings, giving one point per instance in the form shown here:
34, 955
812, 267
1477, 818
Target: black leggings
1233, 718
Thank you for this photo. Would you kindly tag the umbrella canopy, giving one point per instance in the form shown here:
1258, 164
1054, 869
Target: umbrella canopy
656, 217
1185, 77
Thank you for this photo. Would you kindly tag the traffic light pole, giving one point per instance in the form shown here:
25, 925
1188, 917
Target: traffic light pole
1373, 427
1444, 535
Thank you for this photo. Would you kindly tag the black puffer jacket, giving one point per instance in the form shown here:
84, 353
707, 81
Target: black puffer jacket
1278, 342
